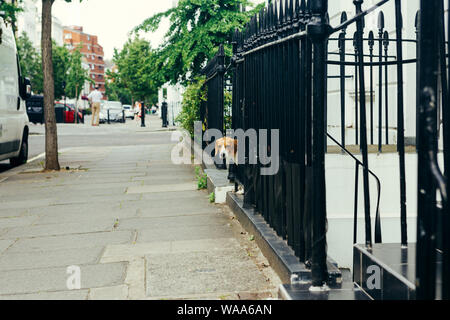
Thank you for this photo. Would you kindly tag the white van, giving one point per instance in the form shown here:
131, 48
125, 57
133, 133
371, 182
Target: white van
14, 90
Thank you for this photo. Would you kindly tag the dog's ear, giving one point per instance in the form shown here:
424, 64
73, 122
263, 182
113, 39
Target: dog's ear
217, 144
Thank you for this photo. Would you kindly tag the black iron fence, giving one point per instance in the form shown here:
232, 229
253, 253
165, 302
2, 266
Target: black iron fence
212, 110
280, 79
274, 88
433, 213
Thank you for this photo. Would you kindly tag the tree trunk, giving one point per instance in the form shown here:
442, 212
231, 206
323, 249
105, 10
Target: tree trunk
51, 135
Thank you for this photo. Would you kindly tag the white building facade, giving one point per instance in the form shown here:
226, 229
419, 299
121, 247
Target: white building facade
29, 21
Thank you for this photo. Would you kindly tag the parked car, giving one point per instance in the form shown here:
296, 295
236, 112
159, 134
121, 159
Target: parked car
116, 112
68, 113
35, 109
14, 91
129, 113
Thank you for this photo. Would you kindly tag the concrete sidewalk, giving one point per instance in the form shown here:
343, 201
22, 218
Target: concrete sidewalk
132, 221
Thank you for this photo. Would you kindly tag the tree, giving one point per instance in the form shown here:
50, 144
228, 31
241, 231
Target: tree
10, 10
197, 29
51, 134
135, 70
61, 61
30, 62
115, 91
67, 67
76, 74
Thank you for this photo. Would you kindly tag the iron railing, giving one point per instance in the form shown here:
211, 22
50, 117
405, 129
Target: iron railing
212, 110
432, 215
280, 77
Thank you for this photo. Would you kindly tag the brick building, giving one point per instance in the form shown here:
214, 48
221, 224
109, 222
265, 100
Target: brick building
92, 52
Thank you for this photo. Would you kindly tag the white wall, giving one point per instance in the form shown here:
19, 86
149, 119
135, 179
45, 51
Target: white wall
27, 20
30, 20
174, 100
409, 10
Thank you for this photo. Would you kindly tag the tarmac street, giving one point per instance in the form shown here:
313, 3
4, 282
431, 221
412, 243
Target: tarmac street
121, 221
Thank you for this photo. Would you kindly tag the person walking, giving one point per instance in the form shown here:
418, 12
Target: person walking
95, 97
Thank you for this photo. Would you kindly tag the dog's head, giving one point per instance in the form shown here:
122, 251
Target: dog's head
226, 148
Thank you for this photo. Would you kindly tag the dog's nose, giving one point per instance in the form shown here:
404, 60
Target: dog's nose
222, 156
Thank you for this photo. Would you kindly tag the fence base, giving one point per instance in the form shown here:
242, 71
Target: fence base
280, 256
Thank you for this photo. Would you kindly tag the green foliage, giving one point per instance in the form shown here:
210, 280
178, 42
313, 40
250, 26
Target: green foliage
76, 74
30, 62
67, 66
135, 74
116, 92
228, 105
212, 197
10, 10
202, 179
197, 29
194, 95
202, 182
60, 68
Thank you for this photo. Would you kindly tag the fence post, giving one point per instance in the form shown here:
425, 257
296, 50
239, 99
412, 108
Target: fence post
221, 74
342, 52
426, 230
143, 114
318, 32
363, 120
401, 123
380, 80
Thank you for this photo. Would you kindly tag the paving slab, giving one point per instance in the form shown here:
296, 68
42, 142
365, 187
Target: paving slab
5, 244
88, 216
12, 213
60, 295
162, 188
60, 258
174, 221
59, 229
181, 274
16, 222
55, 279
75, 241
109, 293
184, 233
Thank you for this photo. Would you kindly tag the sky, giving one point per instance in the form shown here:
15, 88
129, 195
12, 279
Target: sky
112, 20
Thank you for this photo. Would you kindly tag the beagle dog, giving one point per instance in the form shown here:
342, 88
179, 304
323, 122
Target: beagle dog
227, 149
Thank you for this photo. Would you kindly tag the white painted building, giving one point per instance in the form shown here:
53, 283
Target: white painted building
173, 95
30, 22
409, 10
27, 20
340, 169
